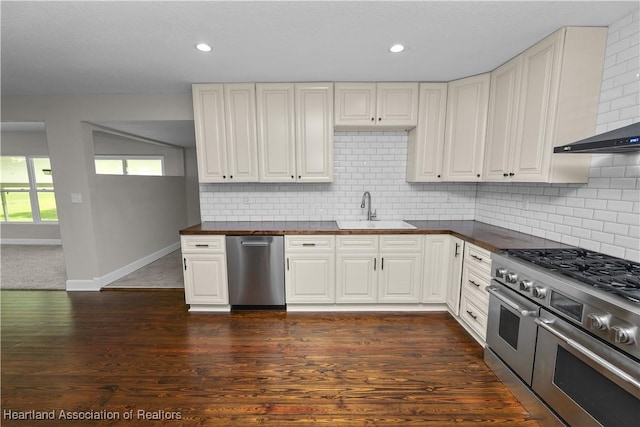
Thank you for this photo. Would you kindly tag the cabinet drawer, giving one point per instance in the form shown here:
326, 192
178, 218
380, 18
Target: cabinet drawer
401, 243
309, 243
473, 316
474, 283
478, 257
359, 243
203, 244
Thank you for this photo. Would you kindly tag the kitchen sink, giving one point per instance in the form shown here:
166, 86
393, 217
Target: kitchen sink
374, 225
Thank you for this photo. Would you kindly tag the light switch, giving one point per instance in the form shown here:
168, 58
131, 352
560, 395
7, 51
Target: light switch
76, 198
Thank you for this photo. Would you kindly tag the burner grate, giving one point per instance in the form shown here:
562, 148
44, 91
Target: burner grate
613, 275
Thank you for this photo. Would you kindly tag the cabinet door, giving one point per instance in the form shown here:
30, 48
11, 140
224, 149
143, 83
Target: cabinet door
208, 115
437, 268
467, 103
537, 109
314, 132
276, 132
400, 277
453, 289
426, 141
242, 146
356, 278
397, 104
205, 279
310, 278
355, 104
501, 126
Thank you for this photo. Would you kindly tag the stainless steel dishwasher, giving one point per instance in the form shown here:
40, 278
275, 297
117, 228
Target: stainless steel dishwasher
255, 268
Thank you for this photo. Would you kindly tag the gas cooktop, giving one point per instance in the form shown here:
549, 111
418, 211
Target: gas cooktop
613, 275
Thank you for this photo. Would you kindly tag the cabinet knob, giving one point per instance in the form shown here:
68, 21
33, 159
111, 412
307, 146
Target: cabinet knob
505, 174
299, 176
438, 176
230, 176
292, 177
224, 176
511, 174
478, 175
372, 119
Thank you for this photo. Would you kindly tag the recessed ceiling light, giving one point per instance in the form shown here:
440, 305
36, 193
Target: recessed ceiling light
203, 47
396, 48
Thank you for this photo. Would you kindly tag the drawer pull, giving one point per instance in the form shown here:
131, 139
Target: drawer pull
202, 245
476, 257
308, 244
474, 283
470, 313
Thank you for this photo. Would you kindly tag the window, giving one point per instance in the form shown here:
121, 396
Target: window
130, 165
26, 188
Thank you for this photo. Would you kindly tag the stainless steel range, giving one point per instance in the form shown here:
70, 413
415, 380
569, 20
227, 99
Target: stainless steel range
566, 324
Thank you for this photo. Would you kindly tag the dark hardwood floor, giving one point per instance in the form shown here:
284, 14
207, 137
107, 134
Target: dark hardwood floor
104, 354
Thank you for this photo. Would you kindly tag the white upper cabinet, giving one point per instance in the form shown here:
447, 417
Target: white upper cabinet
242, 148
211, 147
225, 126
467, 105
501, 125
367, 105
426, 140
545, 97
314, 132
276, 132
295, 132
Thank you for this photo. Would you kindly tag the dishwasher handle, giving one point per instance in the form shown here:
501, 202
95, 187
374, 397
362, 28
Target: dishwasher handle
251, 244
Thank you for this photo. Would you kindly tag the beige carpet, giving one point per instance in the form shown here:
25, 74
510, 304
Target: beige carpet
163, 273
32, 267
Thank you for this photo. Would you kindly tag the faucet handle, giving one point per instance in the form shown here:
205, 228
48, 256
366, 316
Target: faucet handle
374, 215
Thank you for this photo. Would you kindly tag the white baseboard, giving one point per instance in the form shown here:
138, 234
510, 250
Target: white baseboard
366, 307
31, 241
209, 308
98, 282
82, 285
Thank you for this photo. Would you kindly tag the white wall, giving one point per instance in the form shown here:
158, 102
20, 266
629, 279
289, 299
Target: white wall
363, 161
27, 144
136, 216
604, 214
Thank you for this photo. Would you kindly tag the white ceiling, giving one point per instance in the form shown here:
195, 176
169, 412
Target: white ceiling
73, 47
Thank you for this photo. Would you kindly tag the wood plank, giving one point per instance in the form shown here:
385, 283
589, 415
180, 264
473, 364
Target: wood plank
123, 351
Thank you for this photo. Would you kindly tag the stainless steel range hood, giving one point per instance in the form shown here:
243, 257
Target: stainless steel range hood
622, 140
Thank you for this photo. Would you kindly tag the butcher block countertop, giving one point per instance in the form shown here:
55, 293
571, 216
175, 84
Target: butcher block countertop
487, 236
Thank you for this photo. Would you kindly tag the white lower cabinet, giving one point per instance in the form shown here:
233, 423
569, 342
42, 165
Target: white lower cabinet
379, 269
441, 253
205, 273
474, 297
310, 269
455, 275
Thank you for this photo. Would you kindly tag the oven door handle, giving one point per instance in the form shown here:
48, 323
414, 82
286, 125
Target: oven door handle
496, 293
546, 325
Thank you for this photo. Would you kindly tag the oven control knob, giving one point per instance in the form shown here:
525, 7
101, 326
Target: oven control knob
500, 272
598, 322
539, 292
511, 278
624, 335
525, 285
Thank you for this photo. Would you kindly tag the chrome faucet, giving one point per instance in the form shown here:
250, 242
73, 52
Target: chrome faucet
370, 216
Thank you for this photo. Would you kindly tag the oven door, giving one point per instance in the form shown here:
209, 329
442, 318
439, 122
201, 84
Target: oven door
511, 329
584, 380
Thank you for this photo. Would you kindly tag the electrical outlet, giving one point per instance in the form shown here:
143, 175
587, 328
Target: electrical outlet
245, 200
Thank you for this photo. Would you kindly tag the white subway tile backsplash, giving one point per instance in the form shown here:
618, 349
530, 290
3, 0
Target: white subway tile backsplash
363, 161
